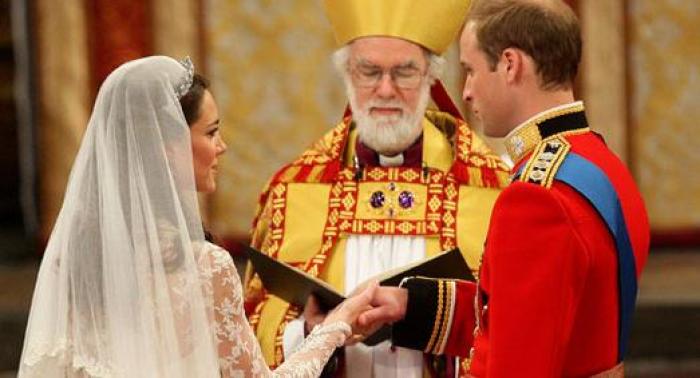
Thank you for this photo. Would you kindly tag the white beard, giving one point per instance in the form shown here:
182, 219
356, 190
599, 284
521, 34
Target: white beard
388, 135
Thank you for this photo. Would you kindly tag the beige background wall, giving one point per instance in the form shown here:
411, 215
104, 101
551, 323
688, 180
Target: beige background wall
603, 78
277, 93
664, 38
641, 83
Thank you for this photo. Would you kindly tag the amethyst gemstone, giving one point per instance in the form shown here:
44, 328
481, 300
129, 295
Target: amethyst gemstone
377, 199
406, 200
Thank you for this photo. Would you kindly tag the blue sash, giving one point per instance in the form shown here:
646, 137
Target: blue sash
587, 179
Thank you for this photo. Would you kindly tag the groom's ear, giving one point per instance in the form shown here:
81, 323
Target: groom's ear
513, 63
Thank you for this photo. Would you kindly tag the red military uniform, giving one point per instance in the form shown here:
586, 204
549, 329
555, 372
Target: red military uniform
558, 279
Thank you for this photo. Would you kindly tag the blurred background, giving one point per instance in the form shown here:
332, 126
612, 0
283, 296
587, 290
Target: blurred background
269, 64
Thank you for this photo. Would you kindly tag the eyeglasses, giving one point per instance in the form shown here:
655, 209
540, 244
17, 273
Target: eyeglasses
369, 76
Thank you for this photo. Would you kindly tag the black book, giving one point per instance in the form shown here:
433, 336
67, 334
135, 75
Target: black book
294, 285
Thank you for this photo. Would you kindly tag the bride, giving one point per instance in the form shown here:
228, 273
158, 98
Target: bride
129, 286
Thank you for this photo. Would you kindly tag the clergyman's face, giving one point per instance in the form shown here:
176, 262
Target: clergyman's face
484, 87
207, 144
388, 91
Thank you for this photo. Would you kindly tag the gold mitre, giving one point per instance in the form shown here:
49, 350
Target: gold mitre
434, 24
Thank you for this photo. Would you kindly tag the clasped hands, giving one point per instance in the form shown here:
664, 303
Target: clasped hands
366, 310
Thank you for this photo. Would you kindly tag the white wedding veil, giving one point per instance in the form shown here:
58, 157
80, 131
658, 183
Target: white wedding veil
118, 293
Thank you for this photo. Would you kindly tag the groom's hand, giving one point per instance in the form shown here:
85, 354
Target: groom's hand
388, 306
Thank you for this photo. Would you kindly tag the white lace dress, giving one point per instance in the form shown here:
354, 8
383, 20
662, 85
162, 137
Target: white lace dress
239, 351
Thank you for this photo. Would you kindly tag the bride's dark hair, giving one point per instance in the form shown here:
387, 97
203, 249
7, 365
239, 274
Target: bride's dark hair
191, 104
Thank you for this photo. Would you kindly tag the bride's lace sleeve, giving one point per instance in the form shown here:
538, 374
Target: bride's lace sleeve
239, 351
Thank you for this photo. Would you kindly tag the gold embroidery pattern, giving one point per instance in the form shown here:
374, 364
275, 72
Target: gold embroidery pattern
396, 174
271, 244
279, 209
446, 317
546, 160
390, 227
464, 142
327, 149
436, 193
438, 316
291, 314
475, 153
341, 204
254, 318
448, 234
261, 212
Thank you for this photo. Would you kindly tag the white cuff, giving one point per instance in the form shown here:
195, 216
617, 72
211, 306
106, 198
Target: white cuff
293, 336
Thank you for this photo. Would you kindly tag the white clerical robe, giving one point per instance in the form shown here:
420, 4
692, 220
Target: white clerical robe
368, 256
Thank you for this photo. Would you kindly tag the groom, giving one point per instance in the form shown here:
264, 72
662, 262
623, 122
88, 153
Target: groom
567, 239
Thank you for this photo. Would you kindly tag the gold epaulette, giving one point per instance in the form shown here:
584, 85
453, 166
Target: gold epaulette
545, 161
